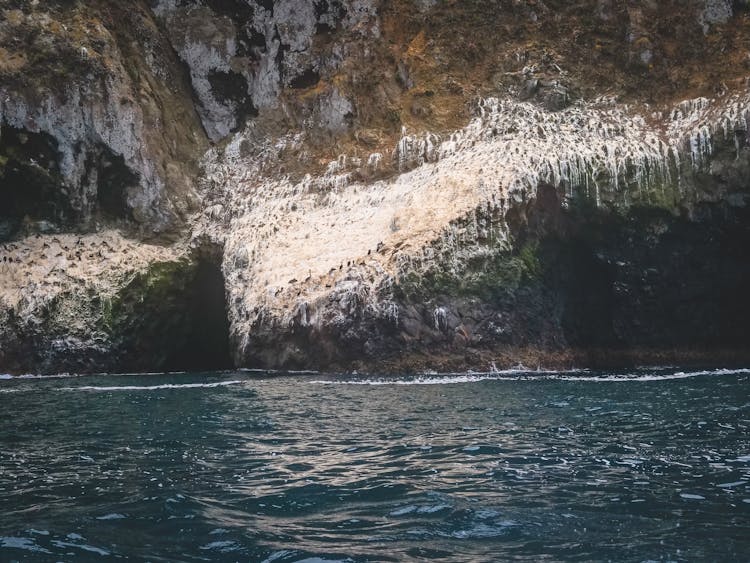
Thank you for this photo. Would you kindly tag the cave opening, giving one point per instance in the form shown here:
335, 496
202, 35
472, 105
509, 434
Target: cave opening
31, 194
231, 88
307, 79
114, 177
205, 342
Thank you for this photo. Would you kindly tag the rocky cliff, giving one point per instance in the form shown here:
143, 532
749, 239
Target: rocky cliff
373, 185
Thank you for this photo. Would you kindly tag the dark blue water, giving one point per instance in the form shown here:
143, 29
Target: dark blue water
240, 467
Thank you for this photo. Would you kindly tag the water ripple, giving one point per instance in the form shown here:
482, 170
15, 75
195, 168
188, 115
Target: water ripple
236, 466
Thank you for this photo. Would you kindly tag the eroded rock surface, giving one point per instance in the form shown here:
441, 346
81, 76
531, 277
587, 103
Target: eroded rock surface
356, 184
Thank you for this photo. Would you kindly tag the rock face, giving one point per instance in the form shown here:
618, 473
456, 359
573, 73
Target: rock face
547, 235
355, 184
93, 130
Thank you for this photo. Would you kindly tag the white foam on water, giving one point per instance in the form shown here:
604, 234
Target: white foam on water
220, 545
434, 378
441, 380
276, 371
142, 373
113, 516
26, 544
658, 376
526, 375
403, 510
50, 376
153, 387
731, 485
691, 496
84, 547
7, 377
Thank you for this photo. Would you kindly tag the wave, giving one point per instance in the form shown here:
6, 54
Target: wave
152, 387
6, 376
419, 380
518, 375
659, 376
276, 371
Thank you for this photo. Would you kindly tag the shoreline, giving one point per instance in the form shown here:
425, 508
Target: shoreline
526, 361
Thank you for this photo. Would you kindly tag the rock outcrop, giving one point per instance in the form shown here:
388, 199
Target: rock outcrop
95, 128
375, 186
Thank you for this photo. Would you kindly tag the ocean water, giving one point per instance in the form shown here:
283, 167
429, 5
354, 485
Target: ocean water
652, 465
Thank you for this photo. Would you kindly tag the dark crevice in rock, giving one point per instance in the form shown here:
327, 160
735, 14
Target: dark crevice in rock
322, 28
323, 7
32, 196
280, 53
35, 197
256, 43
307, 79
240, 11
113, 179
206, 344
230, 87
266, 4
171, 317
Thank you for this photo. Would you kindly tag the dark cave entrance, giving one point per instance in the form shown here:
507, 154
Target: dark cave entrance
205, 342
113, 179
35, 198
29, 183
231, 88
